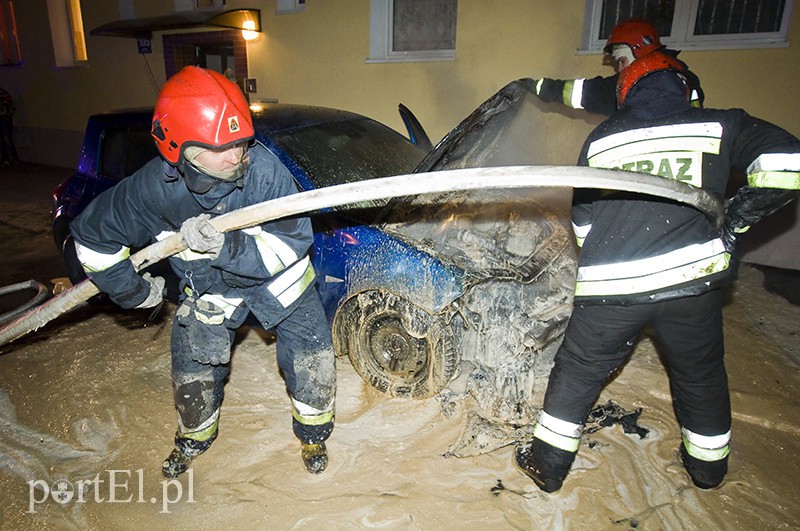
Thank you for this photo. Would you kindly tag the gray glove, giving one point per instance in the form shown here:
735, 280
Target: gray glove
201, 236
201, 327
156, 294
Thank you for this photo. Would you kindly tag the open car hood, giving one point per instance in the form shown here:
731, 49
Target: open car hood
485, 137
487, 233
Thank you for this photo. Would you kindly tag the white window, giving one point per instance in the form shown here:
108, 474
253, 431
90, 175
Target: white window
694, 24
194, 5
290, 6
410, 30
66, 28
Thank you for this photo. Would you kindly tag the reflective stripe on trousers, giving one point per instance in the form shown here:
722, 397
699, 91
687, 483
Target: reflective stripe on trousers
559, 433
598, 341
705, 447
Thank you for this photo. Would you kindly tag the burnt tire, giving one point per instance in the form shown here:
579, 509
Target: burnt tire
396, 346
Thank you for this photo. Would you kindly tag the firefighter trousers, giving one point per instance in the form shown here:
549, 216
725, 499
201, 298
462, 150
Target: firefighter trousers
599, 339
306, 360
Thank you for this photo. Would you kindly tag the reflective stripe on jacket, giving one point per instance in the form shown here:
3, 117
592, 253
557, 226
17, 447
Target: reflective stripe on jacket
636, 248
153, 203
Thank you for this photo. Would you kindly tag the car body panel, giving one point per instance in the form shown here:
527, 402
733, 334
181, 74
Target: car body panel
359, 258
112, 148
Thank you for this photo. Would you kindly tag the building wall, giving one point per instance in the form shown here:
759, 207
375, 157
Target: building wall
319, 57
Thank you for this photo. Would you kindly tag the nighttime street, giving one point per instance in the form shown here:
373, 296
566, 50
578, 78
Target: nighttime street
87, 399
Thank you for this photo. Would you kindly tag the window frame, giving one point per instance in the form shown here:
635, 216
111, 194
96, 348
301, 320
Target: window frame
683, 22
9, 37
67, 31
381, 25
285, 7
192, 5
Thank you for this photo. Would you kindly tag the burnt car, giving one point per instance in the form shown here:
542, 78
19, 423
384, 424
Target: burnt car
417, 289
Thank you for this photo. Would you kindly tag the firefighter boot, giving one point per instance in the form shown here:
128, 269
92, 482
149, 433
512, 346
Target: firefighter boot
704, 474
546, 465
315, 457
183, 454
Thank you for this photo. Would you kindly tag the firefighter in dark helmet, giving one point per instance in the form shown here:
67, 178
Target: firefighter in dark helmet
645, 261
209, 164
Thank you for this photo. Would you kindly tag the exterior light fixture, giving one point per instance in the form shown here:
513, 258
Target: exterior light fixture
249, 32
247, 20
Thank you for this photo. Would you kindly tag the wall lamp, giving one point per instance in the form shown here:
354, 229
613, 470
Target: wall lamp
249, 32
247, 20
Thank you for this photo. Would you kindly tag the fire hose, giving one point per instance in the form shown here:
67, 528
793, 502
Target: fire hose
386, 188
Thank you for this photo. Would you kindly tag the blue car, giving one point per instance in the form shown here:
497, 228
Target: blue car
418, 289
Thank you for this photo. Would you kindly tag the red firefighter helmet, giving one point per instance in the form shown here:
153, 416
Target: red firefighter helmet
640, 35
202, 108
644, 66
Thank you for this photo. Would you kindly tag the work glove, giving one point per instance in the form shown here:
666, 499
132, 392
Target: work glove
550, 90
529, 84
204, 330
201, 236
733, 227
748, 207
156, 294
728, 238
728, 235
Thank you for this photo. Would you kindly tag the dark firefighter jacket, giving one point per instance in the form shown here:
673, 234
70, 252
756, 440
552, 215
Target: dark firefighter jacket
265, 266
598, 95
638, 249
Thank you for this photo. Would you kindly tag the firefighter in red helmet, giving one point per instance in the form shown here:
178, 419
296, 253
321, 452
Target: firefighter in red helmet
210, 164
652, 262
634, 39
629, 40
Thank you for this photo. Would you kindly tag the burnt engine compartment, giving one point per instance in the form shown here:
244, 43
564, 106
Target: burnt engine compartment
517, 251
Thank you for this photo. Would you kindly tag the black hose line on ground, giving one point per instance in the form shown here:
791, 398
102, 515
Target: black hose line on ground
41, 295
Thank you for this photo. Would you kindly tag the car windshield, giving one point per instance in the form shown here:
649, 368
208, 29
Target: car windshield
349, 151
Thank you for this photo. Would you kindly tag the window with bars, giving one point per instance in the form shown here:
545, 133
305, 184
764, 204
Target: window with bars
9, 42
694, 24
410, 30
194, 5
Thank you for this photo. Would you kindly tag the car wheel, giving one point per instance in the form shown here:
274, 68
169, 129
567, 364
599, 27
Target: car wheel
394, 345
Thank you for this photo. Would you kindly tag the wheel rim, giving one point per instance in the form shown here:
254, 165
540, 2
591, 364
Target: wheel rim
394, 345
390, 347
